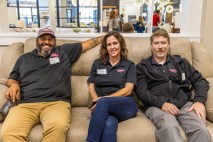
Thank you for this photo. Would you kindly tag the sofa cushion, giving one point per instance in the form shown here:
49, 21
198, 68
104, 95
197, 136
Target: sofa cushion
9, 57
80, 117
209, 102
138, 48
36, 134
181, 46
140, 126
210, 127
80, 91
3, 89
30, 43
136, 129
83, 65
202, 59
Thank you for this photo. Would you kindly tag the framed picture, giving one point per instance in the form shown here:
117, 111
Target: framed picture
130, 17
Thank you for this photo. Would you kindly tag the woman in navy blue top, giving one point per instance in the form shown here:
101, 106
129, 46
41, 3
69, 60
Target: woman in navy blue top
140, 25
111, 82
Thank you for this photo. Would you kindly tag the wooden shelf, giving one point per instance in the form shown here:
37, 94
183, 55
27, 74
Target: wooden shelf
109, 7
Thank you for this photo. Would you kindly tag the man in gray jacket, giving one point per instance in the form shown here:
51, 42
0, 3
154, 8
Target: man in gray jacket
164, 85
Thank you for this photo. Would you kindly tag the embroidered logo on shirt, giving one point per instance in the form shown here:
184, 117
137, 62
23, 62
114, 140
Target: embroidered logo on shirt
101, 71
173, 70
53, 55
121, 70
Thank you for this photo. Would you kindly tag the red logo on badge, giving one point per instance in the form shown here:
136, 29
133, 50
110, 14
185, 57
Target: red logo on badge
121, 70
173, 70
53, 55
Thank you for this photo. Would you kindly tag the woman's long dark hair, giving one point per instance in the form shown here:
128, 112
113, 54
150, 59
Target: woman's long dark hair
104, 55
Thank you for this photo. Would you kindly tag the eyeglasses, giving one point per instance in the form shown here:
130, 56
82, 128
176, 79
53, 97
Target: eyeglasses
50, 39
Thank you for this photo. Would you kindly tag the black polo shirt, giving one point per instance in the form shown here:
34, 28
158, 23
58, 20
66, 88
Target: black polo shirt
109, 79
45, 79
166, 69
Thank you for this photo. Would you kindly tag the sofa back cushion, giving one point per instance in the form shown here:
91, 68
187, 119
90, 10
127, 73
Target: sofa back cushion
9, 57
202, 59
138, 49
30, 44
181, 46
80, 91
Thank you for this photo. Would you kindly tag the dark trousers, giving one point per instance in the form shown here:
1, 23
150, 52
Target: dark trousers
108, 112
168, 126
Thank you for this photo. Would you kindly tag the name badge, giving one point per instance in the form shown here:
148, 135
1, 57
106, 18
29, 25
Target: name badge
101, 71
183, 76
54, 60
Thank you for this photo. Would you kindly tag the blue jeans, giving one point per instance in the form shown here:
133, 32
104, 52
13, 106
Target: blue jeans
108, 112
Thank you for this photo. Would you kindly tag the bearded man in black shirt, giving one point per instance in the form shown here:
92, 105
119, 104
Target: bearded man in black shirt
41, 80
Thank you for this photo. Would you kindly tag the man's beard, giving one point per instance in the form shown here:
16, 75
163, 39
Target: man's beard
45, 52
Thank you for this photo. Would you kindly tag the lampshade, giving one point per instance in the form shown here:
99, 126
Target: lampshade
169, 9
153, 7
74, 2
138, 2
163, 2
88, 2
161, 8
149, 1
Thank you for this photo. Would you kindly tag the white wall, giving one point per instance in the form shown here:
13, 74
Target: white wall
130, 9
12, 15
4, 17
62, 13
177, 18
207, 25
191, 17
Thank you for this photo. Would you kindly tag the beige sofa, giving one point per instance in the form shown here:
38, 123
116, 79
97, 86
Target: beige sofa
138, 129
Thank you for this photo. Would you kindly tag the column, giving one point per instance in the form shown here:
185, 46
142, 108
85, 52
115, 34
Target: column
206, 25
191, 17
62, 12
52, 14
101, 16
150, 16
4, 26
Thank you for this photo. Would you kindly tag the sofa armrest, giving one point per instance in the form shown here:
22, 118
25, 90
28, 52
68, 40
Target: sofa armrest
9, 57
202, 59
209, 102
3, 89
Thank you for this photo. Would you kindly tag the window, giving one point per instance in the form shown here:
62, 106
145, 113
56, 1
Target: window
67, 14
169, 12
77, 13
88, 13
85, 13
